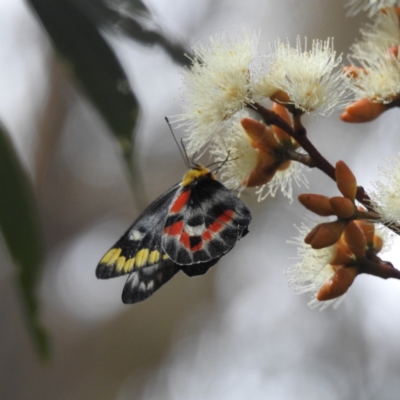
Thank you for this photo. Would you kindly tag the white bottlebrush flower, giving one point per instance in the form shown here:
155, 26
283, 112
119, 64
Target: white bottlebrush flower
372, 6
311, 78
381, 80
312, 270
386, 197
384, 32
217, 85
263, 85
242, 157
283, 181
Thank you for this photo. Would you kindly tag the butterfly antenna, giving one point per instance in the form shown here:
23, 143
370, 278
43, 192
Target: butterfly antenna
221, 163
183, 154
186, 154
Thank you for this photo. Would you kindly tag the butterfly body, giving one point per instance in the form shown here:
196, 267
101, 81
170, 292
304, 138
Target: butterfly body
189, 228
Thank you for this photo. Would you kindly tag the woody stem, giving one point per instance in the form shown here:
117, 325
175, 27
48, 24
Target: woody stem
299, 133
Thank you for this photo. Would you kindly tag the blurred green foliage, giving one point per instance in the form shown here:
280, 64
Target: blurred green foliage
77, 30
94, 65
20, 228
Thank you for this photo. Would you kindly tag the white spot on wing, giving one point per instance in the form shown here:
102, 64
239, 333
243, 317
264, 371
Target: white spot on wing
195, 230
134, 279
136, 235
150, 285
150, 270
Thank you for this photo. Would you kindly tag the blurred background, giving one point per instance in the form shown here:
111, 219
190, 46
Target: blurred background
238, 332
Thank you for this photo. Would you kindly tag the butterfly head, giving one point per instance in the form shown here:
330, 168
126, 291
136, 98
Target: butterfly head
195, 173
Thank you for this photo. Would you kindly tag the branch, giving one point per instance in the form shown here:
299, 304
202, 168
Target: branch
299, 133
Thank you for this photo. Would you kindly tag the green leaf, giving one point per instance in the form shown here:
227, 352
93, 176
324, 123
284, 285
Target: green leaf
139, 7
20, 228
133, 19
94, 64
100, 9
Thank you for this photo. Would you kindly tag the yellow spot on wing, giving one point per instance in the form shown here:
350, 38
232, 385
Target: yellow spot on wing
110, 257
107, 256
141, 257
165, 257
120, 263
128, 267
114, 257
194, 174
154, 256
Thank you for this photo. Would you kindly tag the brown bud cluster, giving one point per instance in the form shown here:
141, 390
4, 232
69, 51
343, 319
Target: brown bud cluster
358, 245
271, 145
352, 233
344, 208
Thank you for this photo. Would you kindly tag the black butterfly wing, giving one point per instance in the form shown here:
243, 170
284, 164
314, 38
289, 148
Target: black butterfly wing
190, 227
198, 269
142, 283
210, 220
140, 246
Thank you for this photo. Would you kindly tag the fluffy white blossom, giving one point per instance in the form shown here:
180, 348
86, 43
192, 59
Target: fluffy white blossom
311, 78
283, 181
263, 85
380, 80
386, 197
383, 32
372, 6
312, 271
217, 85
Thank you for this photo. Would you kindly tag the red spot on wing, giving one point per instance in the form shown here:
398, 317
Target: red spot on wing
180, 202
185, 240
215, 227
174, 229
197, 247
226, 216
218, 225
206, 236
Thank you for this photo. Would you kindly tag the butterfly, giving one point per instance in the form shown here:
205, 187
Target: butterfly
189, 228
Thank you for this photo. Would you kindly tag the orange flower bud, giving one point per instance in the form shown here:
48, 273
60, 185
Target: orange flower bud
363, 110
343, 256
280, 97
284, 165
338, 284
368, 228
378, 243
346, 181
316, 203
355, 239
327, 234
309, 238
261, 136
283, 113
343, 207
260, 176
